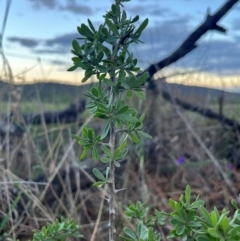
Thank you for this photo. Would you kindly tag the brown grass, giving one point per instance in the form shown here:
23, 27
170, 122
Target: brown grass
48, 151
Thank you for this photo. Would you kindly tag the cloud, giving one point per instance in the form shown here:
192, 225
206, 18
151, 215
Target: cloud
68, 6
61, 44
25, 42
235, 24
217, 56
50, 51
64, 40
161, 39
223, 56
60, 62
76, 8
50, 4
155, 10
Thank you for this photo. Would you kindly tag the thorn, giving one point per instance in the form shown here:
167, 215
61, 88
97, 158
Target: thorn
107, 199
119, 190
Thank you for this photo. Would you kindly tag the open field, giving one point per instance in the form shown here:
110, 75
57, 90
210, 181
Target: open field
46, 154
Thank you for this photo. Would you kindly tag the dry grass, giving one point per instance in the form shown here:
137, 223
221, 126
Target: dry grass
48, 151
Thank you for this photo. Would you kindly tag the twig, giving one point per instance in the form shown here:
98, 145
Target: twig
208, 152
98, 218
190, 43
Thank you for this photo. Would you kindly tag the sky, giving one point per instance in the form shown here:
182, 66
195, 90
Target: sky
38, 35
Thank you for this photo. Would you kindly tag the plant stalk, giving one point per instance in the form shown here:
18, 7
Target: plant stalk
112, 211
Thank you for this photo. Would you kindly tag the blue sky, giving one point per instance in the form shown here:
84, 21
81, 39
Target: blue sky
43, 30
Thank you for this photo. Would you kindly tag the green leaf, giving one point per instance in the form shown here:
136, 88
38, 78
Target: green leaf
177, 217
85, 31
94, 91
107, 172
125, 238
129, 94
141, 119
72, 68
144, 134
95, 153
84, 153
85, 131
121, 75
102, 76
224, 224
98, 184
111, 39
106, 130
91, 26
117, 164
108, 82
141, 27
205, 215
123, 144
102, 68
106, 159
123, 110
214, 218
140, 94
214, 232
107, 151
142, 79
90, 135
112, 26
102, 107
77, 138
234, 204
172, 203
115, 9
234, 232
98, 174
125, 86
150, 235
76, 46
128, 118
130, 233
180, 229
135, 19
188, 194
88, 74
140, 229
124, 16
134, 138
197, 204
83, 142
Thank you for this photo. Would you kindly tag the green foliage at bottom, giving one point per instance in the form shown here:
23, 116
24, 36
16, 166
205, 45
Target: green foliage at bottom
190, 220
58, 231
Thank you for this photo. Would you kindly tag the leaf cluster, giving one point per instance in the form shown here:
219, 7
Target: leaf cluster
58, 231
190, 220
145, 223
105, 50
104, 53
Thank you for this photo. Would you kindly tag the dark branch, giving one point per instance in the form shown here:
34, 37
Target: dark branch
68, 115
203, 111
191, 41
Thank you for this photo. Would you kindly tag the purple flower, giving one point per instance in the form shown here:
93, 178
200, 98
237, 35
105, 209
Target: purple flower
180, 161
230, 167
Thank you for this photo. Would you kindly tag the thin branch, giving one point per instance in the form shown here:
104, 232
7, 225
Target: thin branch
203, 111
190, 43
